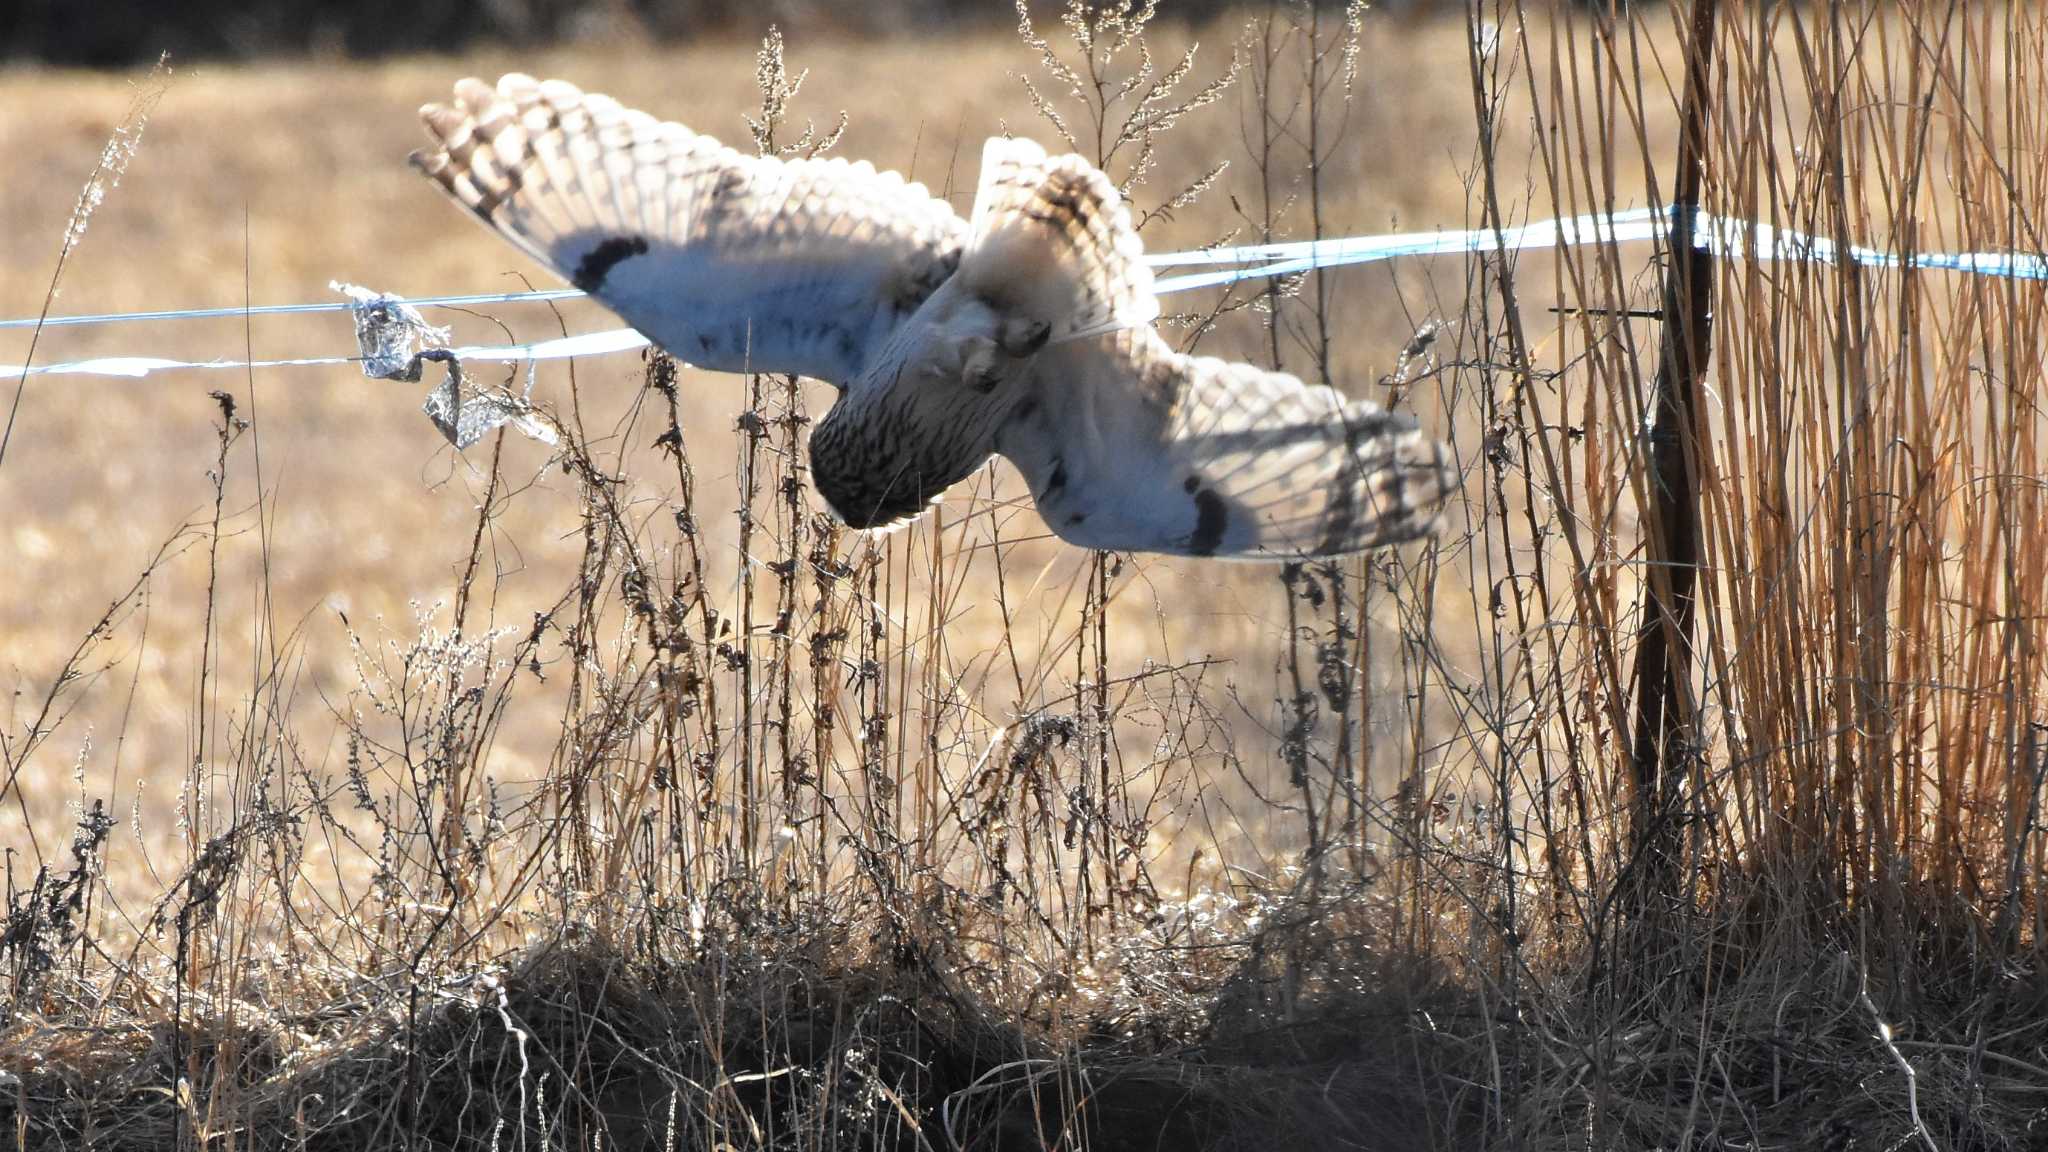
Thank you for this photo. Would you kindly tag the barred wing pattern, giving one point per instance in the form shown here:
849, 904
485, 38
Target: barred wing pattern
1128, 444
731, 262
1053, 241
1028, 334
1133, 445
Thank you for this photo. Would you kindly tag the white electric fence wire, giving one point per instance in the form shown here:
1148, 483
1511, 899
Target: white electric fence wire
1717, 235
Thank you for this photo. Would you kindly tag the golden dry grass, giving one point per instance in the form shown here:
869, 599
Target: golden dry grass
371, 510
1859, 774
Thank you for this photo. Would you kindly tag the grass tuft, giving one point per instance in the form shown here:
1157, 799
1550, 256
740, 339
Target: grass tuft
654, 809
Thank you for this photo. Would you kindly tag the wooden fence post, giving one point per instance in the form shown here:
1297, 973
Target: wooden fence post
1664, 737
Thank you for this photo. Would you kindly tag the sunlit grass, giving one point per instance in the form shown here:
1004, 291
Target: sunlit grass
508, 797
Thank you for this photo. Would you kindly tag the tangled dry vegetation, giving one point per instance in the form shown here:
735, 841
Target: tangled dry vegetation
749, 832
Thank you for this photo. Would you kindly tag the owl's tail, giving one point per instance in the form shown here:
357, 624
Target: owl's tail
1053, 243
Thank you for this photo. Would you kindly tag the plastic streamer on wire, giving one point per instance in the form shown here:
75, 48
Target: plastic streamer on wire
390, 333
396, 342
394, 339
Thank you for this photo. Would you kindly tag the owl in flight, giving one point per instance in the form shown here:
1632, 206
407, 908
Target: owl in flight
1023, 331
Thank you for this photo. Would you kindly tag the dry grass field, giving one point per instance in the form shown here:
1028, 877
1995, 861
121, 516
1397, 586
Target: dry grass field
611, 796
315, 156
311, 159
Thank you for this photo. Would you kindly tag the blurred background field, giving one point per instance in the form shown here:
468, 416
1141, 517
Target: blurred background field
297, 172
611, 796
126, 34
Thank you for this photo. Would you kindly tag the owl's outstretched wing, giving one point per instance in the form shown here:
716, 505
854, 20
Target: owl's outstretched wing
1130, 445
1053, 242
1133, 446
731, 262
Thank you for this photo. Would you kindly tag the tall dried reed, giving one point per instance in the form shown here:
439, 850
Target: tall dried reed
802, 868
